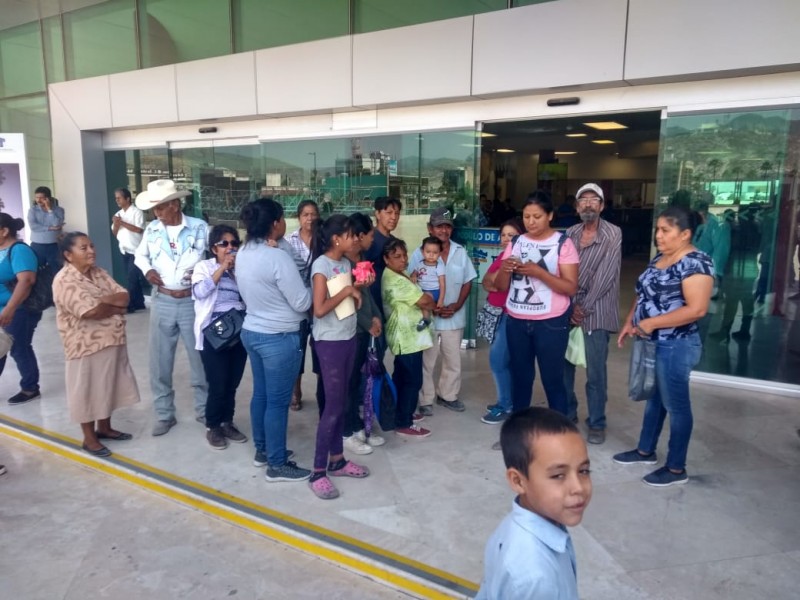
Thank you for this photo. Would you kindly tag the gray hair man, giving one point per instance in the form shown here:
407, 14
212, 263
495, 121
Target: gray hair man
171, 247
596, 304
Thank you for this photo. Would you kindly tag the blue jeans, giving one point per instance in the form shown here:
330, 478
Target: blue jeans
172, 319
596, 343
500, 364
47, 254
21, 328
133, 277
544, 341
275, 362
675, 359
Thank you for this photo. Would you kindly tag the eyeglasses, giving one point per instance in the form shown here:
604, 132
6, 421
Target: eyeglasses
592, 200
226, 243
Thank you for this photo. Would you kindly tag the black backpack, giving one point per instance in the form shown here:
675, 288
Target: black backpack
41, 296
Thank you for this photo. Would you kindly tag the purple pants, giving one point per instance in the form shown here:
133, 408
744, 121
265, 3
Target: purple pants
336, 365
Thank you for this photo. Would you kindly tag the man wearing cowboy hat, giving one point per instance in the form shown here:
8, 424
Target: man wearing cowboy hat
172, 245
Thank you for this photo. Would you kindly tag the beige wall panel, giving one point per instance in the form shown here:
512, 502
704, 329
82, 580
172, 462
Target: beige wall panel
305, 77
217, 88
410, 64
144, 97
683, 38
86, 101
555, 44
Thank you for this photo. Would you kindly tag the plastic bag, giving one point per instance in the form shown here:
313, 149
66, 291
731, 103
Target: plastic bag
384, 402
576, 348
642, 374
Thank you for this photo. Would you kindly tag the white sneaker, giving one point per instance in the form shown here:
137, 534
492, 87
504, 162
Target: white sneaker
373, 439
356, 446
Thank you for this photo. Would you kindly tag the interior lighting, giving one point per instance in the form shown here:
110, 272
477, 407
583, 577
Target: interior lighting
603, 142
576, 135
606, 125
564, 153
505, 150
485, 134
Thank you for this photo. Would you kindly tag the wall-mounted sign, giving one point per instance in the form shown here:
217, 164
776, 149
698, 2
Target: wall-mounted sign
14, 196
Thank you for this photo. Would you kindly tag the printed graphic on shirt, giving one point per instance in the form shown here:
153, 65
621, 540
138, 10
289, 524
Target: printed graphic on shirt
528, 295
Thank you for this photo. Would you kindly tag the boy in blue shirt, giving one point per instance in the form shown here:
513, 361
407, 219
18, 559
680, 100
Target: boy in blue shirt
530, 554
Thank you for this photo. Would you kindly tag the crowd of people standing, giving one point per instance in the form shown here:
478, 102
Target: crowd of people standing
301, 292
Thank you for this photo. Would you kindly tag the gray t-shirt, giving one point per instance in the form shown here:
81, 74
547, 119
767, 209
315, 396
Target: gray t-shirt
329, 328
271, 287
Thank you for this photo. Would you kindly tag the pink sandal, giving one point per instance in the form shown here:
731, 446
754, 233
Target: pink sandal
350, 469
323, 488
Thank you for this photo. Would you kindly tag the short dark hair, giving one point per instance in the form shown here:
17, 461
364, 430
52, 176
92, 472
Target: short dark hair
384, 202
521, 429
303, 203
515, 223
394, 244
43, 189
540, 198
361, 223
125, 192
220, 230
432, 240
680, 217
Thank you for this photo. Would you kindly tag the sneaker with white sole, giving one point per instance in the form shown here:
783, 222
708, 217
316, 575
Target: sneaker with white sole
495, 416
260, 459
356, 446
633, 457
373, 440
288, 472
415, 431
663, 477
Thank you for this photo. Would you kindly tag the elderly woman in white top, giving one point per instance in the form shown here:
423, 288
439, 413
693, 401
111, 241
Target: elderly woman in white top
215, 292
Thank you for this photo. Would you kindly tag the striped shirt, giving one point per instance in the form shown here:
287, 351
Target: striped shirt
598, 276
302, 256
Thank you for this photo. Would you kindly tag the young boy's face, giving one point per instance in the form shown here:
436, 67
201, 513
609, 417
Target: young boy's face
558, 485
431, 253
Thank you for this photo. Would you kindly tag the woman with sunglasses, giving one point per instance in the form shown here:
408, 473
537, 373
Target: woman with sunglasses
215, 292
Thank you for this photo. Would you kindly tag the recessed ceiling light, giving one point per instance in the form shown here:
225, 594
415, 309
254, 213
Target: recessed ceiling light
606, 125
603, 142
485, 134
565, 153
505, 150
576, 135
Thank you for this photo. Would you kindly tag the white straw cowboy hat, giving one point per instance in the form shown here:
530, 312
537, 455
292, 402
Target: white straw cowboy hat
158, 192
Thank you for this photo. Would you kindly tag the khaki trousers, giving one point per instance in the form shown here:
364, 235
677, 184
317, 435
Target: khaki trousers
449, 344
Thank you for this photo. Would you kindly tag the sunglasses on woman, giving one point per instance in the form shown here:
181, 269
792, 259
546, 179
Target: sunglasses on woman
226, 243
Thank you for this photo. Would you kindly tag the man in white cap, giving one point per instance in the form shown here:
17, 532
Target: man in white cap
450, 319
172, 245
596, 305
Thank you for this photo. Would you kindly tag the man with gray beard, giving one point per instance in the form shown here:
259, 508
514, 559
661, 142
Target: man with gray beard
595, 305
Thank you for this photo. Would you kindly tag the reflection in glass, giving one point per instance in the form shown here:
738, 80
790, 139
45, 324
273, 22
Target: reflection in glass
374, 15
738, 171
53, 39
269, 23
21, 64
100, 39
173, 31
29, 115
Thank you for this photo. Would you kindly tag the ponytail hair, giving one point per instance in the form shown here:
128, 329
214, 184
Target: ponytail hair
323, 232
10, 223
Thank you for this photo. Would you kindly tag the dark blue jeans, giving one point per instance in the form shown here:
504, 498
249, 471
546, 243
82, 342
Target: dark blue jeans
47, 254
596, 344
275, 362
407, 378
134, 283
544, 342
21, 328
675, 360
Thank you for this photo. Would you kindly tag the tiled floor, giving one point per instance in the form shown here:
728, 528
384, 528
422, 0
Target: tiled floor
732, 532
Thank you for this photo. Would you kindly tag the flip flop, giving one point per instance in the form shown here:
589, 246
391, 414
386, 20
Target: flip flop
101, 452
120, 437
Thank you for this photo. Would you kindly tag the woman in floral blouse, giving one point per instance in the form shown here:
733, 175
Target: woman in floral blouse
90, 309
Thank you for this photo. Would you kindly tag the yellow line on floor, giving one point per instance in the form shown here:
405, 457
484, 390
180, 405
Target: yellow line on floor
69, 448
